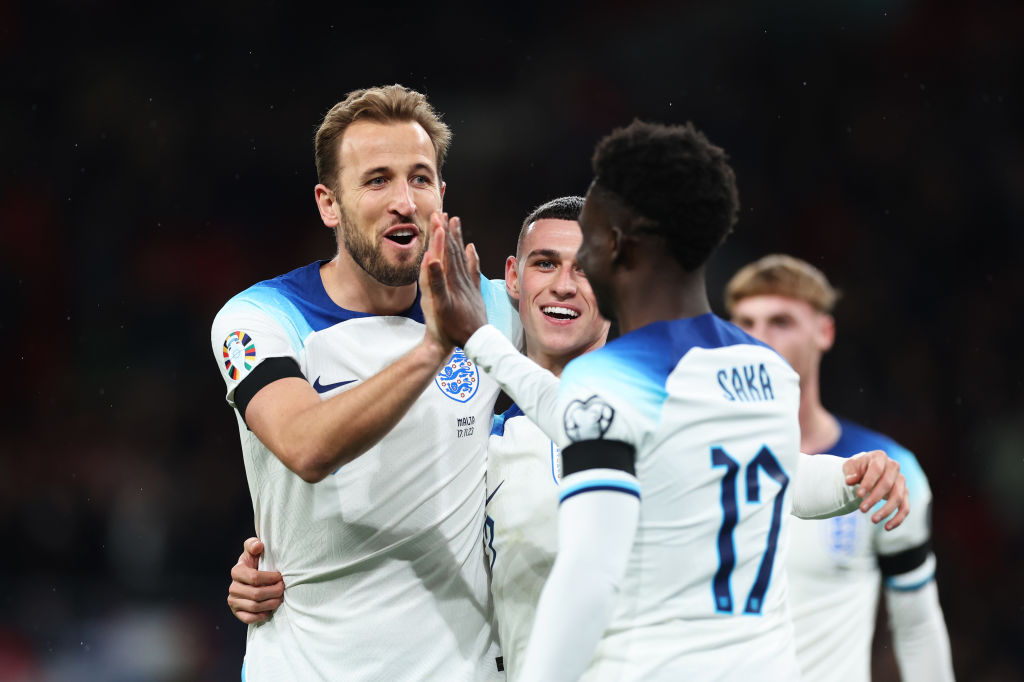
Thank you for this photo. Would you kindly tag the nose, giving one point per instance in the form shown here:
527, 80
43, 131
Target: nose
402, 201
564, 284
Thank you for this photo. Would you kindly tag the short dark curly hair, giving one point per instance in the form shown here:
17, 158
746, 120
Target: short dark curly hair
674, 178
562, 208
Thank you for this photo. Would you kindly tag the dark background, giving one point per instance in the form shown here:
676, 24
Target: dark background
158, 159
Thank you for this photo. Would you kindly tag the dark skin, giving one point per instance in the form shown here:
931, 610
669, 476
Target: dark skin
639, 281
451, 273
634, 275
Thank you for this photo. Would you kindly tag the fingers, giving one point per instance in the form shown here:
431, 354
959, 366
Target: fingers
854, 468
247, 575
473, 260
455, 259
437, 284
872, 473
435, 252
243, 590
251, 610
904, 507
882, 488
437, 220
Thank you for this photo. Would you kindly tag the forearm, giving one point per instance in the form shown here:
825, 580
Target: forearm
533, 388
920, 639
323, 435
596, 531
820, 490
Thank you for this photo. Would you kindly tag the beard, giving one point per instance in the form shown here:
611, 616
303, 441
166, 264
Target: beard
368, 255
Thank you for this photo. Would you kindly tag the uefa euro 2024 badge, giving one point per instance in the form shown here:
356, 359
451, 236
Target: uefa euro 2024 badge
239, 354
459, 379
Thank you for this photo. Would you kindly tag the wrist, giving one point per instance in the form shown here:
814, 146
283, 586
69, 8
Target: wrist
432, 352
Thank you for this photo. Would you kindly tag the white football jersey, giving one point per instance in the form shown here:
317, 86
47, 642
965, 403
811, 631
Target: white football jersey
713, 417
520, 529
382, 561
834, 569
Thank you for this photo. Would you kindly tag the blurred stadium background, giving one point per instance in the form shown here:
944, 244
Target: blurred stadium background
157, 159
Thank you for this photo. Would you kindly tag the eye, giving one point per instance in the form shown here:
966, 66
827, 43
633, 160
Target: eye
377, 181
421, 180
544, 264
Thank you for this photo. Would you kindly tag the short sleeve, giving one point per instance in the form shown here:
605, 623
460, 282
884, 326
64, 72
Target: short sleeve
601, 399
243, 335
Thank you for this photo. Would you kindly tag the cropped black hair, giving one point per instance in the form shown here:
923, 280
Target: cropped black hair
562, 208
674, 178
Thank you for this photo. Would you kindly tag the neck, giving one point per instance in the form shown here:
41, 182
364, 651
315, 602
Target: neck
659, 290
352, 288
819, 430
556, 362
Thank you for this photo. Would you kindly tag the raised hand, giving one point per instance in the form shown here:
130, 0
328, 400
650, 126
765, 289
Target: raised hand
879, 478
452, 282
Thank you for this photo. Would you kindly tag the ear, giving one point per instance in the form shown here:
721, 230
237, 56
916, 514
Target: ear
443, 186
617, 240
326, 203
826, 332
512, 278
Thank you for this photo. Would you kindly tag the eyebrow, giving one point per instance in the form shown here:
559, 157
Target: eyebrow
386, 170
546, 253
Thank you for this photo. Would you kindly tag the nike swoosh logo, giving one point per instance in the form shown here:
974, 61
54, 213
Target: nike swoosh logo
323, 388
494, 492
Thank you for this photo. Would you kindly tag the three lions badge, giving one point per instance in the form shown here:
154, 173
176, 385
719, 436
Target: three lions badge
459, 379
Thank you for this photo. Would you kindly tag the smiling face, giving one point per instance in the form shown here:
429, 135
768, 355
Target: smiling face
793, 327
387, 189
556, 304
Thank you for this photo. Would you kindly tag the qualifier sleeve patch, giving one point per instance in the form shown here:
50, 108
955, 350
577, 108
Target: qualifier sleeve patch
587, 419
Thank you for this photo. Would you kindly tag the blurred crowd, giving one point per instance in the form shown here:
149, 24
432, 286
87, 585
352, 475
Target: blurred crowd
157, 161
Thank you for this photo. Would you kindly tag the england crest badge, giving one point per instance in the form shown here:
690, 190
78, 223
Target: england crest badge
459, 379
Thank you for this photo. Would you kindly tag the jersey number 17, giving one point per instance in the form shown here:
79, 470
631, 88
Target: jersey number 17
721, 583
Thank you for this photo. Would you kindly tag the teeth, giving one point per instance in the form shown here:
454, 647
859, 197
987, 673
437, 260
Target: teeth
556, 310
407, 232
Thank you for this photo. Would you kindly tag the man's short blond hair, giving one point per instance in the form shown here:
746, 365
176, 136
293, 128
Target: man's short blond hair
386, 104
781, 275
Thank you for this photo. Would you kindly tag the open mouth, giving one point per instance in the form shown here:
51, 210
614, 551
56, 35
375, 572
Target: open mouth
403, 236
559, 313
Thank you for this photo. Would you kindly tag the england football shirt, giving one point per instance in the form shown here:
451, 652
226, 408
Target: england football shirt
711, 414
520, 529
384, 569
836, 566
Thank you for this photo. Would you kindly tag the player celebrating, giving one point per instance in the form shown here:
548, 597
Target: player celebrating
560, 321
684, 407
835, 565
360, 429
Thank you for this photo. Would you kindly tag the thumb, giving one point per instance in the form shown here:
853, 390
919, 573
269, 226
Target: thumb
253, 550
